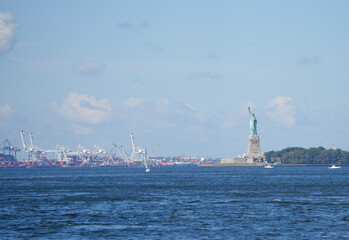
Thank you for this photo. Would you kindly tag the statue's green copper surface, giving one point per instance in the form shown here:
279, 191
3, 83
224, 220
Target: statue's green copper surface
253, 124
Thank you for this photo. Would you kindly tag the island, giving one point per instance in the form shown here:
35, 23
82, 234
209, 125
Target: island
299, 155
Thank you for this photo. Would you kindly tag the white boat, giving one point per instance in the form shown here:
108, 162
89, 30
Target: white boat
147, 169
268, 166
334, 166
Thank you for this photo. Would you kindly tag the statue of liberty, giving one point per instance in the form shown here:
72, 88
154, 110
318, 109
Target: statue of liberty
253, 124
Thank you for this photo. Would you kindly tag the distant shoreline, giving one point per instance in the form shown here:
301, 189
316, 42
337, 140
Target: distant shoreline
259, 165
193, 165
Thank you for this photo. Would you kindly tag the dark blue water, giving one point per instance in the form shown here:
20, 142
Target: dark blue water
174, 203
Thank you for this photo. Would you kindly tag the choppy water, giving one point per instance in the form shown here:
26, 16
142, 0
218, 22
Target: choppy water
174, 203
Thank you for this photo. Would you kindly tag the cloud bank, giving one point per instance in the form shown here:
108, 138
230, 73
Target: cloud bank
87, 113
7, 28
84, 109
165, 118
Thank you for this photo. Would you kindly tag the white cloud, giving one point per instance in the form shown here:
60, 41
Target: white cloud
133, 102
84, 109
7, 28
5, 111
89, 67
199, 116
282, 110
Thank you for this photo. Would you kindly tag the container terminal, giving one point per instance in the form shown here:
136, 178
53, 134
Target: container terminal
61, 156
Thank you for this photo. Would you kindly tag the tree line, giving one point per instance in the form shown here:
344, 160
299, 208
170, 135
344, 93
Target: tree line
298, 155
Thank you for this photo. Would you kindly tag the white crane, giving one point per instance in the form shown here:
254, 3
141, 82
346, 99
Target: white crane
62, 153
122, 153
134, 148
98, 150
98, 154
139, 154
25, 145
109, 160
33, 151
84, 154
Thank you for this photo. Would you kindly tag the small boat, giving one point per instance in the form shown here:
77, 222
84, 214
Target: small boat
334, 166
268, 166
147, 170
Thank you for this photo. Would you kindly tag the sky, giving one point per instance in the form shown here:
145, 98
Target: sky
180, 74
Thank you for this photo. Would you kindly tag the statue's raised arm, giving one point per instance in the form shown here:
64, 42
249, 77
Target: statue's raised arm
249, 110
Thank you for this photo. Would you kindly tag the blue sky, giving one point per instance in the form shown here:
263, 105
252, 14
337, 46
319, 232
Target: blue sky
180, 74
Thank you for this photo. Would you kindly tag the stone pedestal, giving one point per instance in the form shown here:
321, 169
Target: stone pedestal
254, 148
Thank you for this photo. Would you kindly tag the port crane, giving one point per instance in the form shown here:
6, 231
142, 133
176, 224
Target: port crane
33, 151
139, 154
84, 154
122, 153
62, 154
134, 148
98, 153
153, 157
137, 151
37, 155
26, 147
97, 150
7, 146
109, 160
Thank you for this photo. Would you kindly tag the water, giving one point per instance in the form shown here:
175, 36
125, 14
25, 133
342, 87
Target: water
174, 203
